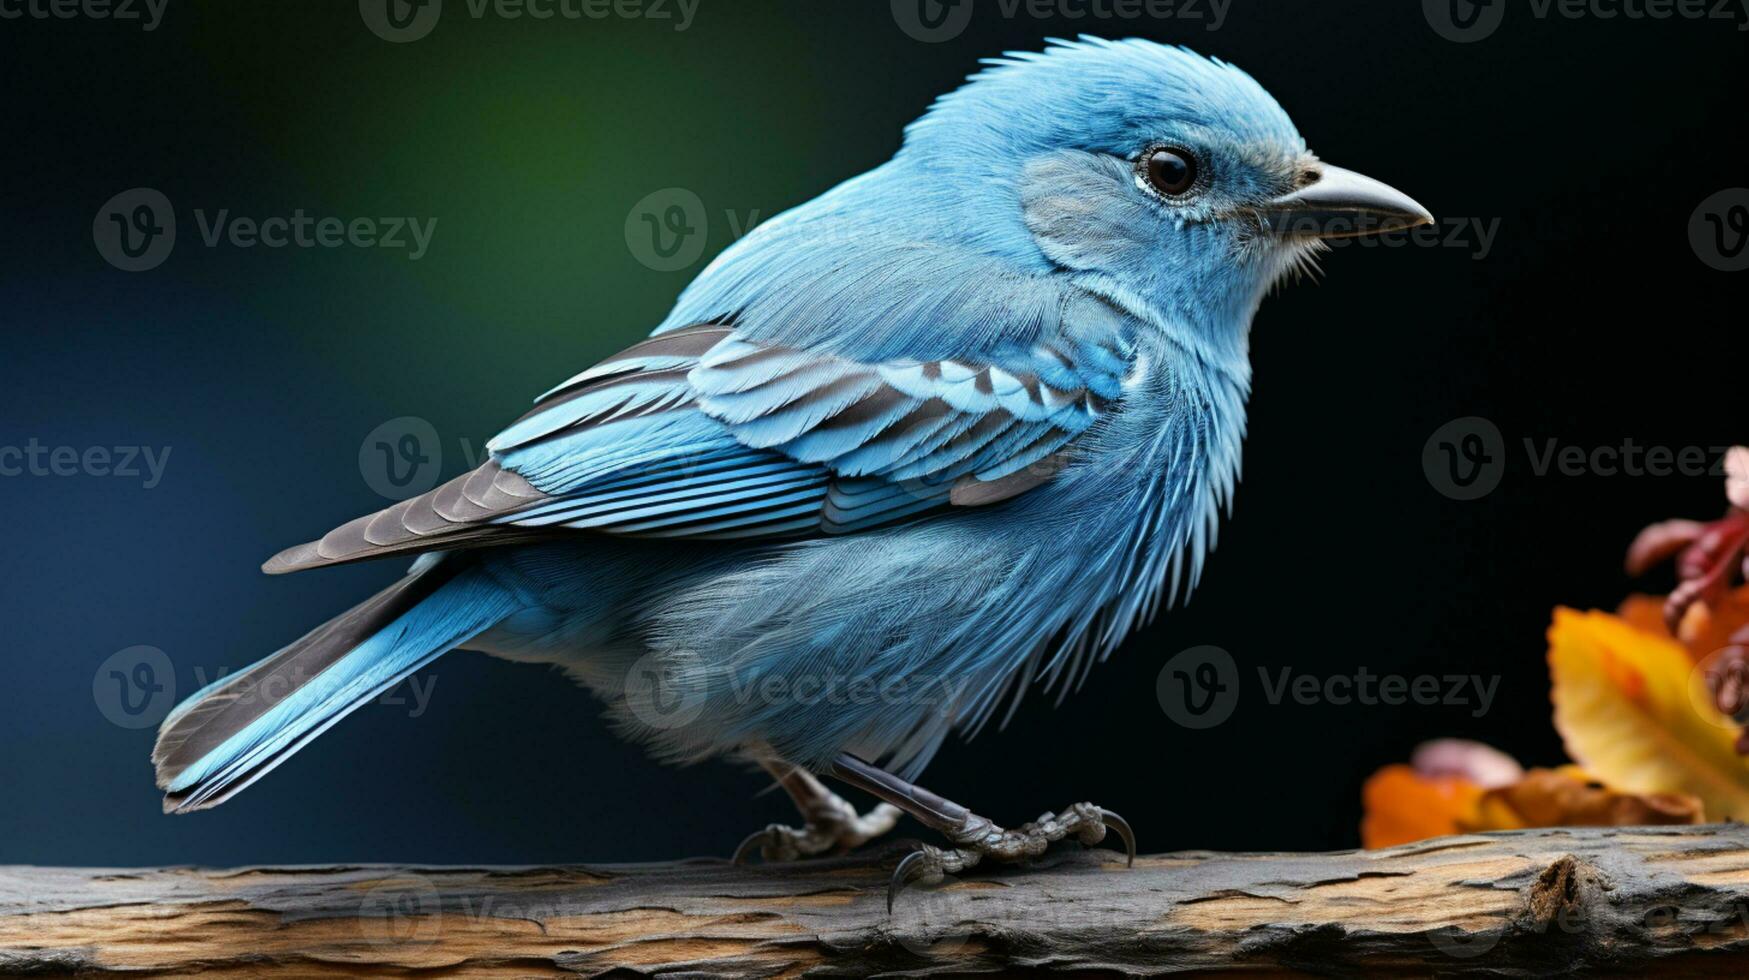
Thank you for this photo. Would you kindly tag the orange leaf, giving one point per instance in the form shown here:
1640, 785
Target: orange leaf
1565, 798
1644, 613
1706, 628
1402, 805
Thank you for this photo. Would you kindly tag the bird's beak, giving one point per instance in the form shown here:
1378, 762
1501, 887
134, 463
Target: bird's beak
1341, 204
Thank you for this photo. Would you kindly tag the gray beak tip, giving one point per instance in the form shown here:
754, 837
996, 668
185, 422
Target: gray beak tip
1343, 204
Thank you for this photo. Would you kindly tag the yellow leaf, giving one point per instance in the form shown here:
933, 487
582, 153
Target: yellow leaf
1635, 713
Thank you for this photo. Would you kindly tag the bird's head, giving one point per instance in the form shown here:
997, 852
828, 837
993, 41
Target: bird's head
1155, 173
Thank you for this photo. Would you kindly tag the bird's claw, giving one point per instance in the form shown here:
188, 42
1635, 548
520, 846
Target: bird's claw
923, 864
768, 841
830, 828
1113, 822
978, 838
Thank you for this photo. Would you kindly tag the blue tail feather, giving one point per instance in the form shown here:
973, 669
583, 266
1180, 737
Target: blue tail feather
232, 732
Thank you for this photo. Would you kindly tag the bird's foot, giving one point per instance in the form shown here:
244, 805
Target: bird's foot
977, 838
831, 825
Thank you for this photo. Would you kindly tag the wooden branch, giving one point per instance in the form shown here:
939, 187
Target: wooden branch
1628, 899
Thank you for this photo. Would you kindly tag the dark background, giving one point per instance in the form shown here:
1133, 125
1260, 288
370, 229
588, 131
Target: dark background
1592, 321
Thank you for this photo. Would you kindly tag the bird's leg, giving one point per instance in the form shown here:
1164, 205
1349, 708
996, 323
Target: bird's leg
973, 837
829, 822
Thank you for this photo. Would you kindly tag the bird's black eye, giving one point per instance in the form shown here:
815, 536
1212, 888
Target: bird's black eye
1172, 172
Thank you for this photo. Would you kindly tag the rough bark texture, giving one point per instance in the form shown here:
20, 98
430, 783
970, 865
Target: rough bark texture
1537, 902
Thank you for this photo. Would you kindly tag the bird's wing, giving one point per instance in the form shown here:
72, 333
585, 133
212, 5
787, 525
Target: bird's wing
705, 433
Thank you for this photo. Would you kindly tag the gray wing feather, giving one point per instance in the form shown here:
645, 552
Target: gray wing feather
452, 515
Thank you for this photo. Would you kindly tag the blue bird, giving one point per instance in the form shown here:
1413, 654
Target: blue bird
946, 432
